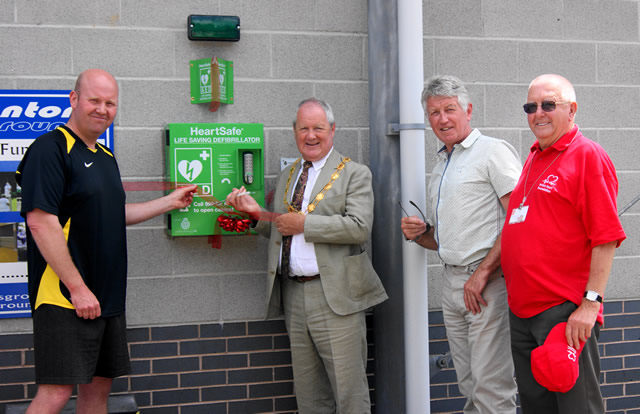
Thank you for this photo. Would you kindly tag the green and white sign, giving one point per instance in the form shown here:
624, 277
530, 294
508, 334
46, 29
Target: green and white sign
211, 81
218, 158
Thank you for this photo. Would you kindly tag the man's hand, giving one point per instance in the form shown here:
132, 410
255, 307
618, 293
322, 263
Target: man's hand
243, 202
412, 227
581, 323
473, 291
85, 302
290, 223
183, 196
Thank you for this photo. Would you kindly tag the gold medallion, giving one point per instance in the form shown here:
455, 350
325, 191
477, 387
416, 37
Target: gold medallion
320, 196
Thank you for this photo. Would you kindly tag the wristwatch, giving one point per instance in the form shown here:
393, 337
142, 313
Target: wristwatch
421, 234
593, 296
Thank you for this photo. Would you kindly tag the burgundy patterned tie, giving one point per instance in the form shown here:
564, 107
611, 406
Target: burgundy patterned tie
296, 202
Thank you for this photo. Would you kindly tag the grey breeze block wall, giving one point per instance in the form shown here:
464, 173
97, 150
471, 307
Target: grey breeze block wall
289, 50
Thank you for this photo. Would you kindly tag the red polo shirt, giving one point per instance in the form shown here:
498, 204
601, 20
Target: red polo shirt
571, 189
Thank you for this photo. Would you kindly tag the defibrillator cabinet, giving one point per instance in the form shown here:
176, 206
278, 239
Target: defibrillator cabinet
218, 158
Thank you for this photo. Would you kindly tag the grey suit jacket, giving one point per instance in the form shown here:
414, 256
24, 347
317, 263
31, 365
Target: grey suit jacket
339, 228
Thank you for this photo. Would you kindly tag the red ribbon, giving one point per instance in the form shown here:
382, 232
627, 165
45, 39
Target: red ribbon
234, 224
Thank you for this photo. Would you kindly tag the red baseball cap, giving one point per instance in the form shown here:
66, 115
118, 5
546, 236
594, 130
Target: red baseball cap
555, 364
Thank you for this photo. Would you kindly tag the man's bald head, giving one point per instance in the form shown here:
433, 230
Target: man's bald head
559, 83
94, 100
90, 75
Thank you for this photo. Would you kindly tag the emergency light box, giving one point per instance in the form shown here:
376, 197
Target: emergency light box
218, 158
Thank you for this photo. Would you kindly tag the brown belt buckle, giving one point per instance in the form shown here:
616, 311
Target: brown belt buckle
303, 279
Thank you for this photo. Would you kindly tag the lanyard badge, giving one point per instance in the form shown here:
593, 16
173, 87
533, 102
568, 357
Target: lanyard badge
518, 215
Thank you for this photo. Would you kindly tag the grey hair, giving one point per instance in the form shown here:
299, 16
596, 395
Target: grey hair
445, 85
325, 107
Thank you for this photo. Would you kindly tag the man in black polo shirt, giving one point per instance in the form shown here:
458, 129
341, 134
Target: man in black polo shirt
74, 205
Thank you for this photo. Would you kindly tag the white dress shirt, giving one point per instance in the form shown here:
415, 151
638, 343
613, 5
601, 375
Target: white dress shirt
303, 260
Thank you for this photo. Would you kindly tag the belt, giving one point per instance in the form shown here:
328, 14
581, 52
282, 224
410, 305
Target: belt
465, 268
303, 279
470, 268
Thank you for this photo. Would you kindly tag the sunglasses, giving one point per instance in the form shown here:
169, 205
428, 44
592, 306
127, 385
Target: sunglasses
417, 208
547, 106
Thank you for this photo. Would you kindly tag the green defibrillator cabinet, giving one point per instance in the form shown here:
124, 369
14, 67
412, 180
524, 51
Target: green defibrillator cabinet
218, 158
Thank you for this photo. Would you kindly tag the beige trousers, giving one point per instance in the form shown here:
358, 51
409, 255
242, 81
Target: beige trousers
328, 352
480, 344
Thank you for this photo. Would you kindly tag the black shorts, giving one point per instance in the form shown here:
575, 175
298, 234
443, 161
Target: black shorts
72, 350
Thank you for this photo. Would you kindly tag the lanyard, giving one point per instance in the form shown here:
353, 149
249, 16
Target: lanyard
524, 185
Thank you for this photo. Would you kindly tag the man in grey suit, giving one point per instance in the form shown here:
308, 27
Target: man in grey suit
323, 214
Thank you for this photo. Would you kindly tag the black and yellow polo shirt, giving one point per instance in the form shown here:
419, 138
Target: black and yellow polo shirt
60, 175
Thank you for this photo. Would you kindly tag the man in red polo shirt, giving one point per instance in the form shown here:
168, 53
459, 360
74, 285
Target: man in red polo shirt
558, 245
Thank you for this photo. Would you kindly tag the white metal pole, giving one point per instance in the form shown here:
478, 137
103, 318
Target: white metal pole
413, 186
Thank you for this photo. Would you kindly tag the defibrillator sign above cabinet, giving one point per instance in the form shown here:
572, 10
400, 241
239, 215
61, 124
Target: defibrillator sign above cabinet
218, 158
211, 81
